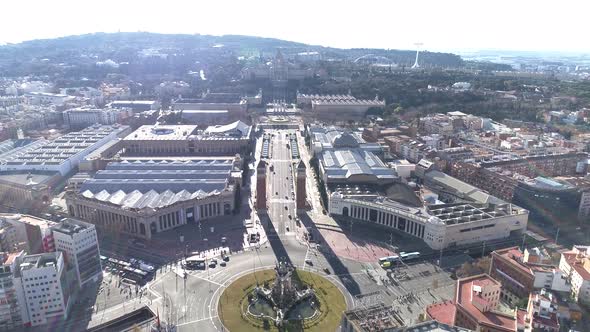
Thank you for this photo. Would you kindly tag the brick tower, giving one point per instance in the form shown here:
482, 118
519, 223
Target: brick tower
261, 185
301, 192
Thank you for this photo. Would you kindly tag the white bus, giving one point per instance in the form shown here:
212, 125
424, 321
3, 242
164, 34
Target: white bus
387, 261
194, 262
408, 256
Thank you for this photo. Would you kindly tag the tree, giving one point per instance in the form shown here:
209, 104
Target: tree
476, 267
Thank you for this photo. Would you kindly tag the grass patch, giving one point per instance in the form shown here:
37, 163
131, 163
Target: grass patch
234, 300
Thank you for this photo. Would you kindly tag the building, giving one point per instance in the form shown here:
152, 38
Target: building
204, 117
63, 154
10, 311
29, 233
530, 181
187, 140
261, 185
233, 105
477, 306
301, 186
575, 265
78, 242
46, 98
338, 108
135, 105
77, 118
145, 196
42, 289
523, 272
471, 217
543, 308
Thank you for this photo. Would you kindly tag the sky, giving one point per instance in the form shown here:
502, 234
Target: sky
441, 25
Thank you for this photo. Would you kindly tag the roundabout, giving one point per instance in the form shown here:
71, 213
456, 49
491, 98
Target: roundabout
276, 300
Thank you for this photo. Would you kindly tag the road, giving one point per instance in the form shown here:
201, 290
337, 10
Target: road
281, 203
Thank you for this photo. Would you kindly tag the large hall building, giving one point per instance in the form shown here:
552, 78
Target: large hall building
146, 196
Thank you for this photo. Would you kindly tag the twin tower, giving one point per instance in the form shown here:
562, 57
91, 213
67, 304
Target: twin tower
261, 186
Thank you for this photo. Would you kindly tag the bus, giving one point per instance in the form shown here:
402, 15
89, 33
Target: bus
408, 256
386, 262
194, 263
136, 275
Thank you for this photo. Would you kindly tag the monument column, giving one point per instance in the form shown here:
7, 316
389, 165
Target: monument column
301, 191
261, 185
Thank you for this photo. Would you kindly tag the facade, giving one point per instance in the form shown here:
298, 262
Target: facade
300, 186
523, 272
135, 105
31, 234
438, 225
204, 117
338, 107
543, 309
10, 311
142, 197
575, 265
41, 287
187, 140
234, 106
46, 98
78, 242
261, 185
64, 153
77, 118
477, 302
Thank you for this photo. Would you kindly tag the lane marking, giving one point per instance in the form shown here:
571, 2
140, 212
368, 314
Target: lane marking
196, 321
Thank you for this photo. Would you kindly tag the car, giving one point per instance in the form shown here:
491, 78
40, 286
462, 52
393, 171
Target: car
226, 258
212, 265
277, 193
287, 228
290, 217
308, 262
213, 260
223, 263
327, 270
286, 197
286, 208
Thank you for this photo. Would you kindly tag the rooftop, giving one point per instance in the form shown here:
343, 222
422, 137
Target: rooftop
161, 133
443, 312
29, 262
28, 219
467, 293
154, 184
71, 226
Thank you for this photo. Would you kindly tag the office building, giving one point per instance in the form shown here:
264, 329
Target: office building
10, 311
42, 289
29, 233
78, 242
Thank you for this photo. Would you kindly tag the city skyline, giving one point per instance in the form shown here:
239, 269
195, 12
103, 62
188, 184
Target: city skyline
520, 26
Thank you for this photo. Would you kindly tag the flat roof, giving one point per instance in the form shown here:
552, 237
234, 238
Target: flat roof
70, 226
466, 295
28, 219
24, 178
162, 133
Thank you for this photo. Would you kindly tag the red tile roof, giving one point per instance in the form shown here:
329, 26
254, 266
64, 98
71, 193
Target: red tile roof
442, 312
514, 256
464, 298
577, 264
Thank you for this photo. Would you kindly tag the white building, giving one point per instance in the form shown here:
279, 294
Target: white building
575, 265
41, 286
10, 312
84, 117
64, 153
45, 98
439, 225
78, 241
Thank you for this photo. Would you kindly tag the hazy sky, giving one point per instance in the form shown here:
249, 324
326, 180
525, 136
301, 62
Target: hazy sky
440, 25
